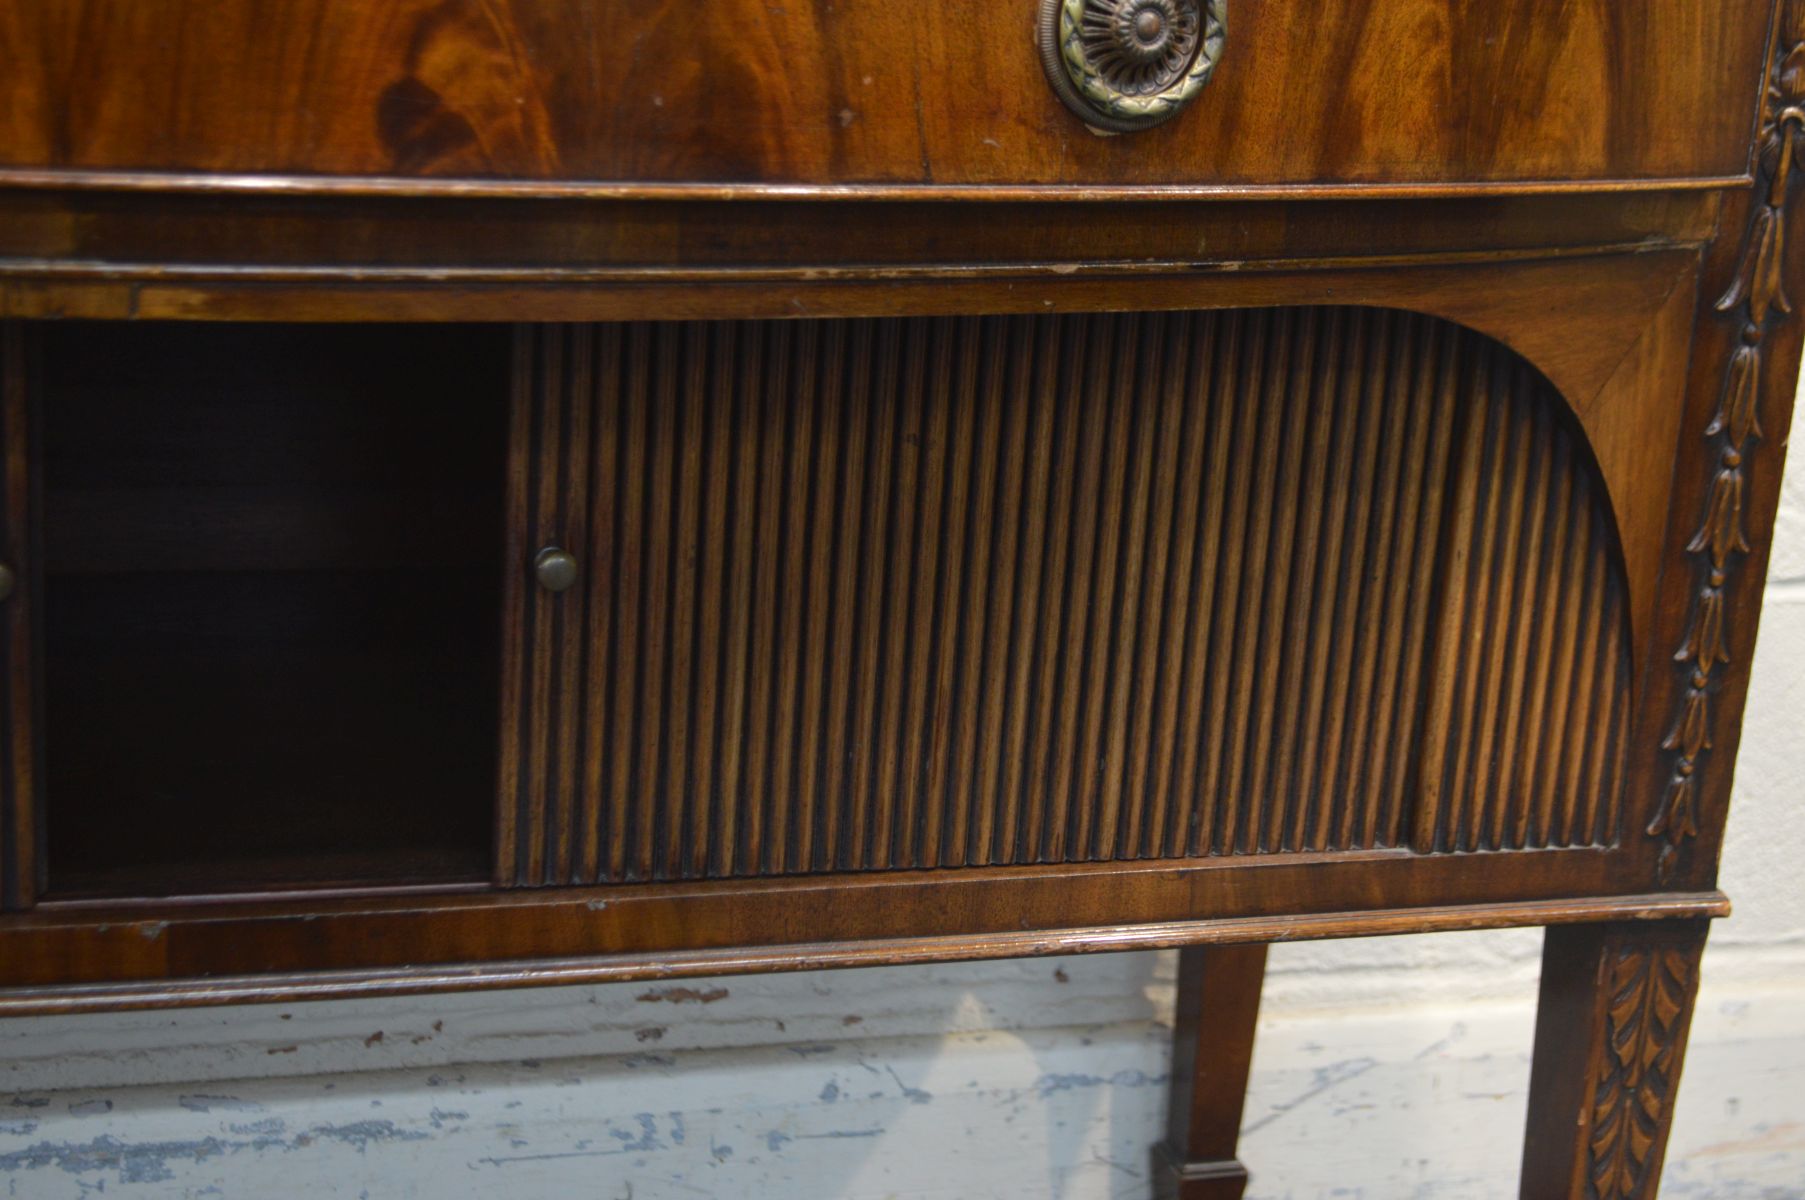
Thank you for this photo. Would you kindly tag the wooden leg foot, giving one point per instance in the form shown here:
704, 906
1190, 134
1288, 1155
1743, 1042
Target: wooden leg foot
1212, 1049
1196, 1181
1616, 1004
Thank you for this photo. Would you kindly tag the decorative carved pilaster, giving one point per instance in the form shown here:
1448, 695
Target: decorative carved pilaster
1616, 1004
1647, 1008
1758, 301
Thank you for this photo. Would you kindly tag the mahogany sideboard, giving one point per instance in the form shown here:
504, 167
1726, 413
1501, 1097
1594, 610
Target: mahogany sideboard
504, 493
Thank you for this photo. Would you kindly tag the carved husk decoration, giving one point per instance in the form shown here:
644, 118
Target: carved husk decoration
1757, 295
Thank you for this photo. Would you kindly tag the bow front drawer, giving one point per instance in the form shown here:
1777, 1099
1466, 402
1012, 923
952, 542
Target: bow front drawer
945, 93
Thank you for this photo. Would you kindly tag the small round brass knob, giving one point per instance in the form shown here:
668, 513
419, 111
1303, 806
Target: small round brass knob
8, 581
556, 569
1124, 65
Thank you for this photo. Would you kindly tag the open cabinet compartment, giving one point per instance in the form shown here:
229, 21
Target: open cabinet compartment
270, 604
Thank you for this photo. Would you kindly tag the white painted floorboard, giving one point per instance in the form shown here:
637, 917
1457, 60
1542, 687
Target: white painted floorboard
1418, 1101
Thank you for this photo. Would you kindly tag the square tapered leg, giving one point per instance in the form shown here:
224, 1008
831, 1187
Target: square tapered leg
1212, 1049
1616, 1003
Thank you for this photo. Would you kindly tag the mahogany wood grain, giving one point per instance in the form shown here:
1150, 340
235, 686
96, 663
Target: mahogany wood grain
948, 92
1536, 303
214, 957
1616, 1005
73, 234
1651, 381
19, 734
1217, 1008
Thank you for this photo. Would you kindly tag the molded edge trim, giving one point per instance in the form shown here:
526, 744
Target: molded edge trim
81, 270
325, 985
67, 179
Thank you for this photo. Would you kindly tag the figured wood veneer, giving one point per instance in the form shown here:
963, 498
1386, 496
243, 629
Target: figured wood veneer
852, 92
888, 594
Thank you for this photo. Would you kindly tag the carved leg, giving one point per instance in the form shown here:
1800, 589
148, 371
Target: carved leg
1212, 1047
1610, 1037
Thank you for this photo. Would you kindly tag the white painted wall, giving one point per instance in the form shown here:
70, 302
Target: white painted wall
1390, 1068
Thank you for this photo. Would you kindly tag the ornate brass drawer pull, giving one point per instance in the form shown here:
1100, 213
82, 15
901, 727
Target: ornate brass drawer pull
1125, 65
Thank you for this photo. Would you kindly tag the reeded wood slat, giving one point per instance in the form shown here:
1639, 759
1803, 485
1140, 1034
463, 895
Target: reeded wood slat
18, 746
1530, 681
866, 595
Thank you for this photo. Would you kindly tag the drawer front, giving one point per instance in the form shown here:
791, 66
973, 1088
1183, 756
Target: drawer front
930, 92
833, 595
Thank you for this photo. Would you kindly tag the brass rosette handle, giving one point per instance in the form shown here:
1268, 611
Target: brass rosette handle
1125, 65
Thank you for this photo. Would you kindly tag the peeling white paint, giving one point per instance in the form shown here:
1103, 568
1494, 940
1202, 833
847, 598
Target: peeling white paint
1413, 1101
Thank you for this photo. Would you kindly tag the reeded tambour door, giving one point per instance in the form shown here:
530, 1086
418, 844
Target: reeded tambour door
818, 596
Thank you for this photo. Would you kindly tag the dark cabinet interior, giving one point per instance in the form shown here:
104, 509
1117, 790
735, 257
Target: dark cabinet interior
270, 592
